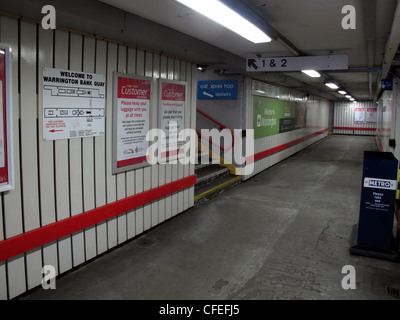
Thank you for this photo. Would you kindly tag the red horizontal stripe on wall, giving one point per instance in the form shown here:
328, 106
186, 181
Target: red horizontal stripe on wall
282, 147
131, 162
30, 240
353, 128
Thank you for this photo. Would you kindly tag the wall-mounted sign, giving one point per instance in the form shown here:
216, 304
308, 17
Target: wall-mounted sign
73, 104
172, 106
371, 115
273, 116
218, 89
264, 89
333, 62
359, 115
131, 121
6, 143
387, 84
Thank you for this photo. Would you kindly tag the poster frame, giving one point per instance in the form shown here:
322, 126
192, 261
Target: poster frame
116, 76
69, 128
8, 119
160, 87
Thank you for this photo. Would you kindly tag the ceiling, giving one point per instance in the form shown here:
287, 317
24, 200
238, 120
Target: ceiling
299, 28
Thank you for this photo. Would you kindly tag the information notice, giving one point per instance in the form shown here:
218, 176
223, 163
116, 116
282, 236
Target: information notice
172, 113
133, 121
73, 104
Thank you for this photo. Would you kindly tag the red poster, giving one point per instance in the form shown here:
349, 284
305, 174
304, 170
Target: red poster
133, 121
173, 92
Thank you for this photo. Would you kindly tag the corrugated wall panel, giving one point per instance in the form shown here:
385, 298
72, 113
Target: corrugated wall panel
88, 162
28, 145
57, 180
99, 156
75, 160
130, 176
12, 200
344, 118
46, 151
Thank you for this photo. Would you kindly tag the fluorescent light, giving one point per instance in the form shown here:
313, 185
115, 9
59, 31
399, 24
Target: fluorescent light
2, 52
311, 73
342, 92
261, 91
220, 13
348, 96
332, 85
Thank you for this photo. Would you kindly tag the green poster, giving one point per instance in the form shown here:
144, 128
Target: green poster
273, 116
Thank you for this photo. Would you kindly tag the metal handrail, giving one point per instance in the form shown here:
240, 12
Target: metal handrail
221, 127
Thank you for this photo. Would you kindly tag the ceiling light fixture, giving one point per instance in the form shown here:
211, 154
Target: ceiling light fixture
201, 67
331, 84
225, 16
311, 73
348, 96
342, 92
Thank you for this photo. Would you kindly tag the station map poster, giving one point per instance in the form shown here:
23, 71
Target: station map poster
131, 121
6, 143
273, 116
172, 107
73, 104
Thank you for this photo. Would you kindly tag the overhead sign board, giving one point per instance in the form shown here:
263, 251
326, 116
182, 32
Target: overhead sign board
286, 64
218, 89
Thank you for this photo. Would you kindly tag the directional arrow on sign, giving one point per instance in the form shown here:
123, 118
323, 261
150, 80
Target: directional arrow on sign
208, 95
251, 63
54, 131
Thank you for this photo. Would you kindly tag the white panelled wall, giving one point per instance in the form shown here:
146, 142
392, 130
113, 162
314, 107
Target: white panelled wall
347, 118
270, 150
388, 126
56, 180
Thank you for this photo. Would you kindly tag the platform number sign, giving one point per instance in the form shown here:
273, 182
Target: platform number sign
282, 64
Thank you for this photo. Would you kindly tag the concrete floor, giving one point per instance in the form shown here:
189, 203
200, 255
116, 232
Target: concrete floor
283, 235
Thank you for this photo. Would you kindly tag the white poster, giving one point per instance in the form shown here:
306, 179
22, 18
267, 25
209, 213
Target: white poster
132, 121
73, 104
172, 113
359, 115
371, 115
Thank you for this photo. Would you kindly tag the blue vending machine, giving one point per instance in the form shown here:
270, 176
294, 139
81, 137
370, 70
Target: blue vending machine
373, 235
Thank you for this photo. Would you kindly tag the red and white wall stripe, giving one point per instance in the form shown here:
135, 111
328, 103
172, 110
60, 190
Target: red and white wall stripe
270, 150
67, 207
